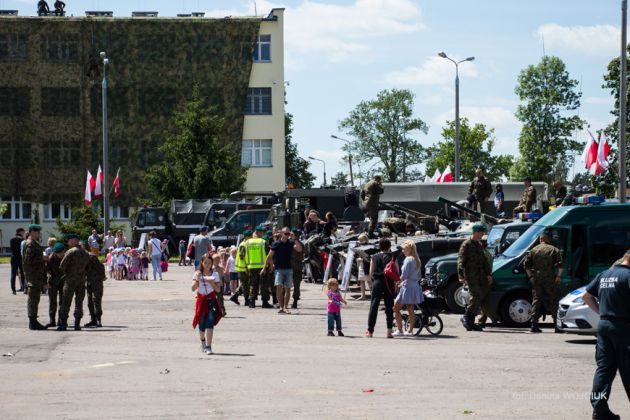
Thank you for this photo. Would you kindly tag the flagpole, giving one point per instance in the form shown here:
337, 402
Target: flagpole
105, 149
623, 97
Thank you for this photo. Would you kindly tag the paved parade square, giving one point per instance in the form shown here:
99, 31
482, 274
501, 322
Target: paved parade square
145, 363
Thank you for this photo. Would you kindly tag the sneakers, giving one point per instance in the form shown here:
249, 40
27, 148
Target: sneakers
408, 334
203, 346
331, 334
389, 334
398, 333
340, 334
368, 334
208, 350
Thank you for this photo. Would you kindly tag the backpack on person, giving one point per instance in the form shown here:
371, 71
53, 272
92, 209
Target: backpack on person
391, 271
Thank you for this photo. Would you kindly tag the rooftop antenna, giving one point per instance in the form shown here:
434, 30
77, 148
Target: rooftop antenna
255, 9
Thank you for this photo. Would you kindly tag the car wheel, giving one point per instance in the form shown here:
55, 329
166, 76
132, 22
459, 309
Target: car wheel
453, 296
516, 308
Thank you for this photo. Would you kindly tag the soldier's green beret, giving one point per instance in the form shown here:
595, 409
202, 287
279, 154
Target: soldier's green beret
58, 247
247, 233
34, 227
265, 238
546, 232
479, 227
71, 236
259, 228
294, 230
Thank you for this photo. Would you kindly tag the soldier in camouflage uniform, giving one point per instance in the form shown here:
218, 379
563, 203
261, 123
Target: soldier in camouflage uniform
543, 265
528, 199
95, 273
296, 263
241, 267
485, 314
35, 273
479, 191
73, 268
474, 269
55, 282
371, 195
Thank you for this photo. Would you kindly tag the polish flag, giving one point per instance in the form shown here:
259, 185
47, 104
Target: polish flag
436, 176
601, 154
447, 175
90, 183
116, 185
98, 189
589, 155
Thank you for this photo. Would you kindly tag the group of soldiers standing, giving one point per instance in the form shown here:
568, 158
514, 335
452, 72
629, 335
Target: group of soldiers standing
66, 274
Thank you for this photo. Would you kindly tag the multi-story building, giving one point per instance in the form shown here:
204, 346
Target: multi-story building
51, 104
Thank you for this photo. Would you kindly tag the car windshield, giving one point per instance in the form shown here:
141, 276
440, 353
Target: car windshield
523, 242
495, 236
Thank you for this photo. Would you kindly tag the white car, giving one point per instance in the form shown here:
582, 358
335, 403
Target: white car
574, 316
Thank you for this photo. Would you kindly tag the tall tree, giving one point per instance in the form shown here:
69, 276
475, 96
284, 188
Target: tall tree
383, 142
549, 99
340, 179
197, 162
476, 143
296, 167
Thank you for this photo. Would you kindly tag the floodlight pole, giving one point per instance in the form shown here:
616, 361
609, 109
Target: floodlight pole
623, 98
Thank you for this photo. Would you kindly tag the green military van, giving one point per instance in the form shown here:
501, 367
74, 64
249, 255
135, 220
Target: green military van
590, 237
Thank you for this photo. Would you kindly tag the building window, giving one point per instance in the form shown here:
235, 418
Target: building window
117, 102
13, 47
15, 102
60, 49
157, 101
118, 212
61, 102
57, 211
256, 153
258, 101
61, 153
16, 209
262, 50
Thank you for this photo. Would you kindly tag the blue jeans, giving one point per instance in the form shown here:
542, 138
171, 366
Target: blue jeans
157, 269
334, 317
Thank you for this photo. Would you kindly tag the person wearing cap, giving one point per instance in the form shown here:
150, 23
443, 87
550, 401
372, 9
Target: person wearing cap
17, 269
255, 255
202, 245
609, 296
73, 267
371, 196
474, 269
35, 272
296, 264
543, 265
55, 282
240, 266
95, 276
528, 199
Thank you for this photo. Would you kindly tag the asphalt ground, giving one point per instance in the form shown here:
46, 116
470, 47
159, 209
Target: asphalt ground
146, 363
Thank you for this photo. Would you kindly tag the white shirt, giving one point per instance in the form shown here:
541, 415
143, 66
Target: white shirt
156, 247
108, 241
205, 288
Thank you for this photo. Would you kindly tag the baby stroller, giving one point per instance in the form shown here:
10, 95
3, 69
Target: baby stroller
427, 315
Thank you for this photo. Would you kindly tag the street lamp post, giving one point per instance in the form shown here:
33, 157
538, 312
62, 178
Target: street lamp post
623, 97
457, 63
105, 148
320, 160
349, 143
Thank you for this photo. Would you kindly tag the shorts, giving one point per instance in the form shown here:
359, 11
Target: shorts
207, 323
234, 276
284, 277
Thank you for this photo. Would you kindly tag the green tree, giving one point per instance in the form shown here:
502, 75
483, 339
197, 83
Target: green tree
381, 127
83, 220
549, 101
197, 162
296, 168
340, 179
476, 144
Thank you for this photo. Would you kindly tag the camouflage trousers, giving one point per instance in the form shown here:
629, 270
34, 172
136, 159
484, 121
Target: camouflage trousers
544, 287
373, 216
257, 285
35, 288
94, 291
55, 296
243, 288
73, 288
479, 298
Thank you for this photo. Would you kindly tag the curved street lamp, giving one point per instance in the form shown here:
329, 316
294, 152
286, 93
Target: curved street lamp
322, 161
349, 143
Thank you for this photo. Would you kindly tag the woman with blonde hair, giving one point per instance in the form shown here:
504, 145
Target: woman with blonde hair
409, 292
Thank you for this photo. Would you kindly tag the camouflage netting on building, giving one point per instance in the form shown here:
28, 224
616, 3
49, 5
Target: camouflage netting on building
51, 103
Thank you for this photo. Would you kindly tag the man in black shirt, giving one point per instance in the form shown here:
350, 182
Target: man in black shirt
281, 252
612, 289
16, 260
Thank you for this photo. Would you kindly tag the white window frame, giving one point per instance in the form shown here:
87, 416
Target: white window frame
256, 100
255, 148
16, 208
258, 50
65, 212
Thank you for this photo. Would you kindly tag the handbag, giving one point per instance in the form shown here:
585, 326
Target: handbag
392, 275
164, 266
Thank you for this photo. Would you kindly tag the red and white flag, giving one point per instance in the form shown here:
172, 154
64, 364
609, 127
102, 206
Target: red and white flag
90, 183
436, 176
602, 153
589, 155
447, 175
98, 189
116, 184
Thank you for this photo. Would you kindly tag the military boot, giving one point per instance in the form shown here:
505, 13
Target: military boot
91, 324
98, 322
466, 322
52, 323
77, 324
234, 299
33, 324
605, 415
294, 305
63, 325
534, 328
266, 304
252, 303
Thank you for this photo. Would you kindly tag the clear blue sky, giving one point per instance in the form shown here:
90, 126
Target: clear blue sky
339, 52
